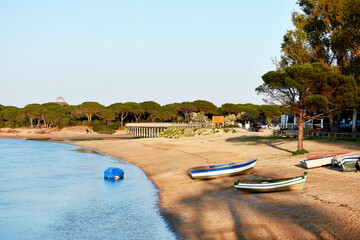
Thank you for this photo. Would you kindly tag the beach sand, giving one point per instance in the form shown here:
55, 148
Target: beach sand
327, 208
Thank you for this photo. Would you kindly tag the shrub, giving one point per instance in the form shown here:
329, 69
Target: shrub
300, 152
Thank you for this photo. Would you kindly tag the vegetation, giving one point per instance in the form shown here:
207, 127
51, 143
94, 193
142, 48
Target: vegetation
177, 132
310, 91
107, 119
300, 152
318, 73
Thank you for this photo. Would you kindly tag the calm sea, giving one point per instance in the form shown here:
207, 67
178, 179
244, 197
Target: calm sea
51, 190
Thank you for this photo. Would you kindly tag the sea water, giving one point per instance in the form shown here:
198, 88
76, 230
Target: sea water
52, 190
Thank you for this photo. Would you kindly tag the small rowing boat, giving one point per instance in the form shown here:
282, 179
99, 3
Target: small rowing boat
271, 185
320, 160
347, 163
221, 170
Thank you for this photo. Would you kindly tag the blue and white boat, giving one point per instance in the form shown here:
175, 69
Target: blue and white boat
222, 170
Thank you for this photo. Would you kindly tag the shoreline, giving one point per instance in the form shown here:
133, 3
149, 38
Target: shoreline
213, 209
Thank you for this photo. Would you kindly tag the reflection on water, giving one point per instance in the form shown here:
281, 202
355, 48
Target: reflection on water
85, 150
50, 191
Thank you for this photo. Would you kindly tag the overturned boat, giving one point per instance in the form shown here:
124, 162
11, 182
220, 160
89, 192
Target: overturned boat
347, 163
320, 160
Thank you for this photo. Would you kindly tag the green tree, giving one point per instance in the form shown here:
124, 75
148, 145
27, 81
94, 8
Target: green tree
136, 110
90, 109
31, 112
186, 108
108, 114
310, 91
122, 110
205, 107
54, 115
269, 112
251, 109
11, 116
151, 109
169, 112
229, 108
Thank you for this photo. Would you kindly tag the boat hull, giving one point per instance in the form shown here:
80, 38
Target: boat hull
347, 163
296, 183
223, 170
321, 160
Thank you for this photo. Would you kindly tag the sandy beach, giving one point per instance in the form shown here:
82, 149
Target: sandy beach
327, 208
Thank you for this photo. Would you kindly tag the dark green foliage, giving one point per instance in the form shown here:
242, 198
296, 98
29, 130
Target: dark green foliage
150, 108
103, 128
11, 117
311, 91
169, 112
229, 108
251, 109
109, 119
186, 108
205, 106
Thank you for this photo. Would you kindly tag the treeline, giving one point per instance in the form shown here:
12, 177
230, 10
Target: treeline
110, 118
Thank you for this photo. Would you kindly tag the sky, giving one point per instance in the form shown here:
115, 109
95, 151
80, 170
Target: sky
111, 51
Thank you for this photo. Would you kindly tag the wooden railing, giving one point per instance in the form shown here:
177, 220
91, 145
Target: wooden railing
152, 130
318, 134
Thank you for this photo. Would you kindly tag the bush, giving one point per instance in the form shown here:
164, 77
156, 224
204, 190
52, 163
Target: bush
102, 128
176, 132
300, 152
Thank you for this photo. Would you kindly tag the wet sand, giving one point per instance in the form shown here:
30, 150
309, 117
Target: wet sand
327, 208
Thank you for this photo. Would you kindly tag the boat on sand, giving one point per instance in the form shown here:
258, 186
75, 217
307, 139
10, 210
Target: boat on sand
271, 185
221, 170
348, 162
320, 160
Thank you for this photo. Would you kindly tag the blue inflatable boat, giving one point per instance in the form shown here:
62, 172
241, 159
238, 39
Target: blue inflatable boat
113, 173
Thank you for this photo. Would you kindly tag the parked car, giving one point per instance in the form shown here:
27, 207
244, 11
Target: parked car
344, 125
357, 124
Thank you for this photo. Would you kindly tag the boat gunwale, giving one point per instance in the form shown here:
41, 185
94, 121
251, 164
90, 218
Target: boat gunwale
221, 167
271, 185
326, 155
269, 181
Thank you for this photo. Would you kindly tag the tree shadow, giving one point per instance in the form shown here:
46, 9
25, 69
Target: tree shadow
268, 141
221, 212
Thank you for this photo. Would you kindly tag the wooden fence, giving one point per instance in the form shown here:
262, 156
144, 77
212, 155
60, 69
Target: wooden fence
317, 134
152, 130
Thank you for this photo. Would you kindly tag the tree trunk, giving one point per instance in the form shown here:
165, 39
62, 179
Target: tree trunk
332, 124
31, 122
301, 135
337, 128
44, 122
137, 117
354, 120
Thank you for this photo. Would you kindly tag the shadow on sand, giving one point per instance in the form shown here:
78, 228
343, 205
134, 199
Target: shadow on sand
273, 142
221, 212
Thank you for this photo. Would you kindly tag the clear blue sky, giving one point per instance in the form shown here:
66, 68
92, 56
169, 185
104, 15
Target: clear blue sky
112, 51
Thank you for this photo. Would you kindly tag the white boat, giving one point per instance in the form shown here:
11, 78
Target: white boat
320, 160
347, 162
271, 185
221, 170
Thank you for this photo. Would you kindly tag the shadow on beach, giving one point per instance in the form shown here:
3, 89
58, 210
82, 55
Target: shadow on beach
268, 141
220, 212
